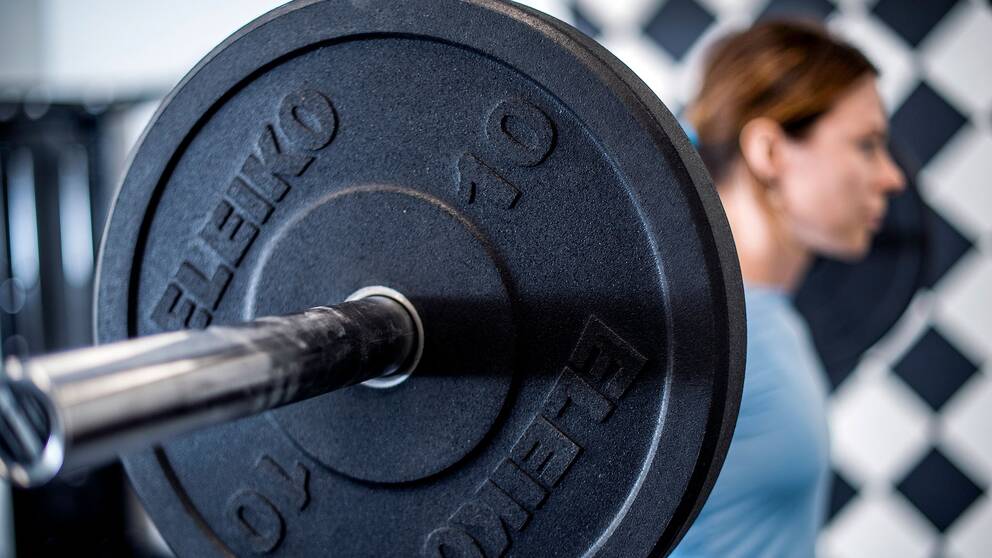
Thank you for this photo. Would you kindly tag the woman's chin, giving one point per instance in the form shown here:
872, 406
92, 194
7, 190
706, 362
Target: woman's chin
849, 250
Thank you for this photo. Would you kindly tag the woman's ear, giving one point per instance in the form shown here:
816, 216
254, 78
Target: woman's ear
761, 142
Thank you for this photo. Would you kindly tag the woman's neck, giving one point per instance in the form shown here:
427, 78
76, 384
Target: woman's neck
770, 255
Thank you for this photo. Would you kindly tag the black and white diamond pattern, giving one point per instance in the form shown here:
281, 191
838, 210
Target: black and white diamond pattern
939, 489
925, 122
934, 369
841, 492
677, 26
948, 245
912, 424
913, 22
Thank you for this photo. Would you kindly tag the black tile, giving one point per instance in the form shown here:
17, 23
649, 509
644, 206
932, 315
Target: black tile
939, 489
678, 25
925, 122
809, 9
945, 246
912, 20
582, 22
841, 493
935, 369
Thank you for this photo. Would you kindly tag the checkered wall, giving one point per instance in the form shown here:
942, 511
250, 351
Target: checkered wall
911, 440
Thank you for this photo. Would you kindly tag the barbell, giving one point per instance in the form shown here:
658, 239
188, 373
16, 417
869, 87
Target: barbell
509, 251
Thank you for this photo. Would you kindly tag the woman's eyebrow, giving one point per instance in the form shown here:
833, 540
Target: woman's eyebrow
877, 132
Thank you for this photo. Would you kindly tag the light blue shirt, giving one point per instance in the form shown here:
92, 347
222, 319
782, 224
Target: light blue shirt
770, 498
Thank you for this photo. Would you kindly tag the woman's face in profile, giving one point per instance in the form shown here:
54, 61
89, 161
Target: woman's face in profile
835, 182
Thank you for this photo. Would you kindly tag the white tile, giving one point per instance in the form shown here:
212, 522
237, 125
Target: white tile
620, 14
649, 62
885, 526
971, 534
888, 52
964, 307
554, 8
959, 180
966, 429
735, 9
878, 428
956, 56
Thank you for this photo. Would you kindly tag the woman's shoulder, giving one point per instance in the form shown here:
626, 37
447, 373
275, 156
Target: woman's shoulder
771, 318
783, 404
781, 357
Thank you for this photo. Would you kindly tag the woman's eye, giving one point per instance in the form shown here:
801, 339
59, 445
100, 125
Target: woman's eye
868, 146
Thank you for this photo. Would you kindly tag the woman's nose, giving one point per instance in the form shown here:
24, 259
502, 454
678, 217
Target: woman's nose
891, 177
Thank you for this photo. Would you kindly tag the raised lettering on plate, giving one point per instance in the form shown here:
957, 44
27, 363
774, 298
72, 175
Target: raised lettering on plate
257, 520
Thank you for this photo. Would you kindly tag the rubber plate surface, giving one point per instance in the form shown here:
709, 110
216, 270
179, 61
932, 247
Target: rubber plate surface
576, 276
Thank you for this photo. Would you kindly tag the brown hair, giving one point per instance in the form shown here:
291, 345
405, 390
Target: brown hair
791, 72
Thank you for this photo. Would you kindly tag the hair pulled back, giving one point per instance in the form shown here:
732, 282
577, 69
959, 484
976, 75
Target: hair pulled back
791, 72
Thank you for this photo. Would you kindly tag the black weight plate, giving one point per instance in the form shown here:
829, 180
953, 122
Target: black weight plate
576, 276
850, 306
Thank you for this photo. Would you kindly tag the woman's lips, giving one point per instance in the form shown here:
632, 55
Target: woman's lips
876, 210
875, 221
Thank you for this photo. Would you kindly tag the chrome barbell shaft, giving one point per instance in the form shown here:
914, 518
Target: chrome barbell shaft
79, 408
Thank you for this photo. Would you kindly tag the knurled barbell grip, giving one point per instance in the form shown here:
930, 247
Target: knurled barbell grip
68, 410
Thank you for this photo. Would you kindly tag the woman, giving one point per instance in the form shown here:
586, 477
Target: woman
791, 126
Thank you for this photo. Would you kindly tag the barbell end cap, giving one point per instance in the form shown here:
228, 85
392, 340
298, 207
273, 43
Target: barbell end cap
32, 434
